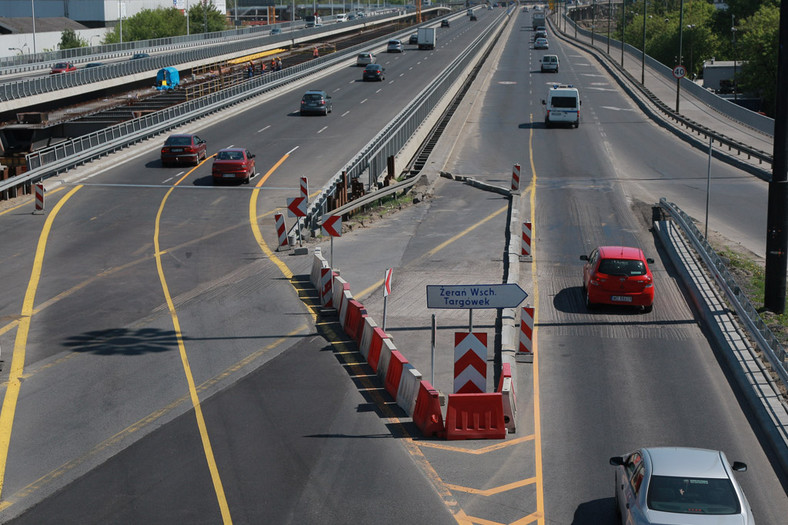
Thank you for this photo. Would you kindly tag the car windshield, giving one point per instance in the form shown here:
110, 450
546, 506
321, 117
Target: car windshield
629, 267
178, 141
393, 42
372, 67
692, 495
61, 65
313, 98
230, 155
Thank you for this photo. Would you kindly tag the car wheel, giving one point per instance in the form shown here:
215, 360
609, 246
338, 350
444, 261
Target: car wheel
648, 309
589, 305
577, 123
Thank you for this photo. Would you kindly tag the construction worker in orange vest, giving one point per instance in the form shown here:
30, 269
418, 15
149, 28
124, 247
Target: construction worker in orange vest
315, 53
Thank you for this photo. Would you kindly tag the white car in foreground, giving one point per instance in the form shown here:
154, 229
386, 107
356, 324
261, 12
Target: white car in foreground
679, 486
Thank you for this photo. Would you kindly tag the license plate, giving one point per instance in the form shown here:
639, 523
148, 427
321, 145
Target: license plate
177, 150
229, 175
621, 298
558, 113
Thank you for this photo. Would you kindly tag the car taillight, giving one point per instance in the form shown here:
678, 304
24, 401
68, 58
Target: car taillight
189, 149
322, 102
165, 150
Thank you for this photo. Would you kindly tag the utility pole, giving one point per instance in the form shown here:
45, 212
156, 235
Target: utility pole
681, 57
777, 218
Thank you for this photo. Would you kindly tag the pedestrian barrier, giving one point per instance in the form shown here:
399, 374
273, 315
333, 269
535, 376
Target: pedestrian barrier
475, 416
525, 347
366, 336
385, 357
394, 373
506, 388
354, 320
408, 388
343, 306
325, 289
427, 412
373, 358
337, 289
281, 232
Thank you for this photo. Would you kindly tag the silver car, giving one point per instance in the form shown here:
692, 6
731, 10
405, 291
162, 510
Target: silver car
673, 486
394, 46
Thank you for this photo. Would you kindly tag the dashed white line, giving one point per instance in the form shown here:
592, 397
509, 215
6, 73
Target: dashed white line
323, 129
263, 129
345, 113
378, 91
167, 180
363, 101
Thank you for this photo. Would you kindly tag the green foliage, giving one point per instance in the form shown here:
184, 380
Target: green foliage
206, 19
69, 40
161, 23
758, 41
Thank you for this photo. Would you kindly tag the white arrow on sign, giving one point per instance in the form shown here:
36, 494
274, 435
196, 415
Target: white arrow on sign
473, 296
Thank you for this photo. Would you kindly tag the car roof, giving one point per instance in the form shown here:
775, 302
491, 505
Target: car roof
372, 66
687, 462
182, 135
315, 92
620, 252
232, 149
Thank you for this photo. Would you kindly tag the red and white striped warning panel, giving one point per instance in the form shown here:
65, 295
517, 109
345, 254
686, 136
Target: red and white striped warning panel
516, 177
470, 362
305, 189
526, 238
526, 330
326, 293
281, 232
39, 197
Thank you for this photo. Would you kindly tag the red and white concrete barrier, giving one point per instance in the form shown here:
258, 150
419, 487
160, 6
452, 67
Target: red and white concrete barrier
408, 388
385, 357
506, 388
338, 287
366, 336
325, 287
343, 306
318, 262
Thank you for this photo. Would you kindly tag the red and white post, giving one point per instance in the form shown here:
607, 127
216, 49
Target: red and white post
525, 349
525, 254
305, 189
39, 187
281, 232
516, 178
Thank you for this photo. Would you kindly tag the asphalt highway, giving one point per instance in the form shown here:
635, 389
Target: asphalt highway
173, 368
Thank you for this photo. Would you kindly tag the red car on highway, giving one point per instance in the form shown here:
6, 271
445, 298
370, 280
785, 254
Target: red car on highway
178, 149
233, 164
618, 275
62, 67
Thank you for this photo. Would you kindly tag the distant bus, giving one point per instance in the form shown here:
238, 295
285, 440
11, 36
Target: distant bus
313, 21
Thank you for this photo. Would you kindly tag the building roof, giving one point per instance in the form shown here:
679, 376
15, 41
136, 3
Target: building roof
25, 25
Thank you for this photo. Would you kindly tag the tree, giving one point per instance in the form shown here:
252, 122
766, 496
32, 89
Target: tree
69, 40
206, 18
757, 46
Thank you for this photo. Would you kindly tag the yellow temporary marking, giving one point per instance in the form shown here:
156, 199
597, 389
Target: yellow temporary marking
495, 490
20, 344
535, 285
438, 248
145, 422
256, 227
479, 521
529, 519
476, 452
195, 399
255, 56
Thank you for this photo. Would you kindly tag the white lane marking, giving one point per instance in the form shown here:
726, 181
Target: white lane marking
167, 180
337, 89
378, 91
345, 113
363, 101
613, 108
600, 88
591, 75
352, 82
231, 146
265, 128
323, 129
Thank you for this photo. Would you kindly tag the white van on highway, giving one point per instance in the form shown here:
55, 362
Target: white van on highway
341, 17
562, 105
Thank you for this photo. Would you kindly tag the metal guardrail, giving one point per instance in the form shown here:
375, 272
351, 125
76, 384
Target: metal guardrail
65, 155
373, 156
763, 336
696, 127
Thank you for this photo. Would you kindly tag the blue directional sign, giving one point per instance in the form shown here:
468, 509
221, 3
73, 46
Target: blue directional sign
473, 296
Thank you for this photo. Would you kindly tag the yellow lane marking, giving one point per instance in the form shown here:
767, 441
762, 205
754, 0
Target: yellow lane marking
364, 293
529, 519
195, 399
495, 490
256, 227
20, 344
479, 521
146, 421
476, 452
535, 285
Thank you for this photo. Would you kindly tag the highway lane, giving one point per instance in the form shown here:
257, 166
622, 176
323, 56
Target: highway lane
106, 364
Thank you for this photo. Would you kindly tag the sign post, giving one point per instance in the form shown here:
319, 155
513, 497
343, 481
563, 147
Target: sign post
296, 207
332, 225
386, 292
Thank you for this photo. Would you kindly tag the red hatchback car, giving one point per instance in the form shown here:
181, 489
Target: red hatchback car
618, 275
233, 164
183, 148
62, 67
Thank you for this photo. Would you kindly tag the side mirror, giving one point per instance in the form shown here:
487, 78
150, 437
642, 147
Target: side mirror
581, 102
584, 257
251, 155
650, 260
617, 461
543, 102
738, 466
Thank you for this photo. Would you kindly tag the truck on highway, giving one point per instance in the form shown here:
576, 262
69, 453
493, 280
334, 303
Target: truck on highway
538, 19
426, 38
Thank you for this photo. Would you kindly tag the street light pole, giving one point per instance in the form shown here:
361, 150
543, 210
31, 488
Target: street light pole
623, 28
643, 54
681, 58
593, 22
609, 17
733, 37
33, 11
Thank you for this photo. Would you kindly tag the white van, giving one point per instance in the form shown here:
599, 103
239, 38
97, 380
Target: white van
562, 105
341, 17
549, 63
